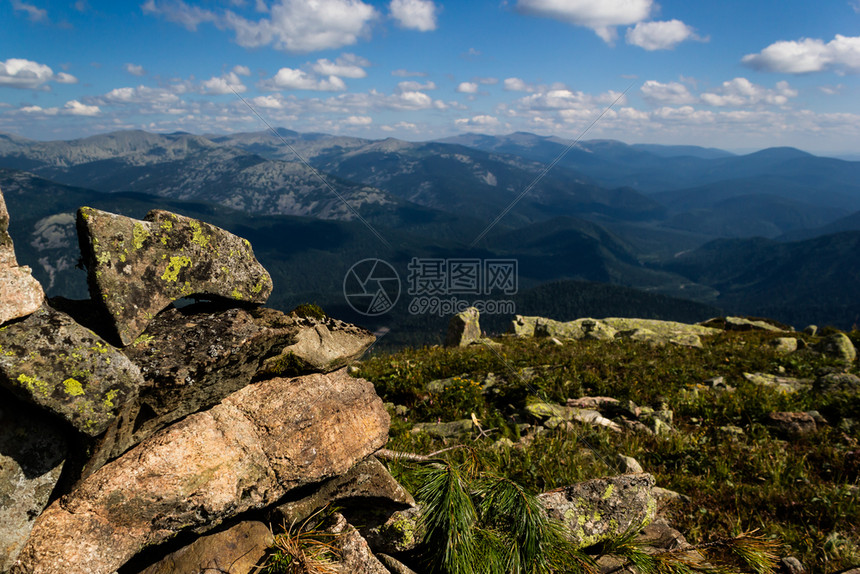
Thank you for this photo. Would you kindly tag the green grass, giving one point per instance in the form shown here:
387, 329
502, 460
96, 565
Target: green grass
803, 491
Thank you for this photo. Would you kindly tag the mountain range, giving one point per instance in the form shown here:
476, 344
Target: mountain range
767, 233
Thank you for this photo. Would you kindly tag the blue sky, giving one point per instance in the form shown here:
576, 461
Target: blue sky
730, 74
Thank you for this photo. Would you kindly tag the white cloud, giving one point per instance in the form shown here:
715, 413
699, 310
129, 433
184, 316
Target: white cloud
517, 85
673, 93
401, 73
564, 99
359, 120
479, 120
224, 84
740, 92
300, 26
293, 79
599, 15
487, 81
76, 108
412, 86
842, 54
179, 12
346, 66
659, 35
134, 69
145, 99
242, 70
34, 14
467, 88
272, 102
414, 14
26, 74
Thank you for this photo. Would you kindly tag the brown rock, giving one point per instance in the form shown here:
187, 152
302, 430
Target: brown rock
247, 452
233, 551
792, 424
20, 293
136, 268
355, 554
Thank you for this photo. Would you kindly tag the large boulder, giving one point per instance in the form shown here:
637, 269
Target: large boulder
660, 332
578, 329
603, 508
32, 453
50, 360
246, 452
838, 346
136, 268
463, 328
20, 293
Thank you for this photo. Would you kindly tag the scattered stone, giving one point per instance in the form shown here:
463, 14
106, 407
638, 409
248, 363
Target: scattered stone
732, 430
20, 293
246, 452
136, 268
791, 565
837, 382
811, 330
463, 328
628, 464
784, 345
401, 532
745, 324
32, 453
603, 508
556, 342
556, 415
792, 425
786, 385
233, 551
719, 384
450, 429
368, 483
664, 495
838, 346
51, 361
591, 402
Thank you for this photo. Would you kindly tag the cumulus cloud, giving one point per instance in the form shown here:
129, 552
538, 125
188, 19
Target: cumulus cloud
293, 79
26, 74
517, 85
358, 120
134, 69
564, 99
156, 99
300, 26
740, 92
468, 88
224, 84
660, 35
673, 93
414, 14
842, 54
34, 14
479, 121
602, 16
76, 108
346, 66
179, 12
412, 86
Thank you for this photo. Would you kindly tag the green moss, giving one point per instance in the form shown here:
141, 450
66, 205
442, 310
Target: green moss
310, 310
287, 364
73, 387
177, 263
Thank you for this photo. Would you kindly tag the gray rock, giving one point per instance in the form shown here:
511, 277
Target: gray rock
578, 329
463, 328
785, 385
555, 415
792, 425
394, 566
744, 324
784, 345
233, 551
246, 452
811, 330
628, 464
355, 554
523, 326
136, 268
20, 293
661, 332
837, 382
450, 429
401, 532
603, 508
32, 453
366, 484
51, 361
791, 565
838, 346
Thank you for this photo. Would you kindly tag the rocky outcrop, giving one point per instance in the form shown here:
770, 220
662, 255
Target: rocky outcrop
603, 508
744, 324
51, 361
32, 454
208, 467
20, 293
645, 330
463, 328
136, 268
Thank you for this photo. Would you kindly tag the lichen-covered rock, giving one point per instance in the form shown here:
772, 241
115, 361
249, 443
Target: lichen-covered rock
784, 345
742, 324
136, 268
355, 555
193, 357
32, 453
463, 328
401, 532
661, 332
603, 508
523, 326
786, 385
837, 382
555, 415
51, 361
20, 293
838, 346
792, 425
246, 452
233, 551
578, 329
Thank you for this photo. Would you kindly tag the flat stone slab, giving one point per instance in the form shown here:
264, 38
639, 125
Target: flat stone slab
603, 508
137, 268
49, 360
245, 453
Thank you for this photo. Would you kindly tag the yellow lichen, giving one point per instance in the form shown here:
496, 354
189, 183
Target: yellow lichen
33, 384
198, 236
73, 387
236, 294
171, 274
109, 397
139, 235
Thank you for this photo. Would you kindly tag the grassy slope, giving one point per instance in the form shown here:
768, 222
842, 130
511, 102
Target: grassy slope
804, 491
